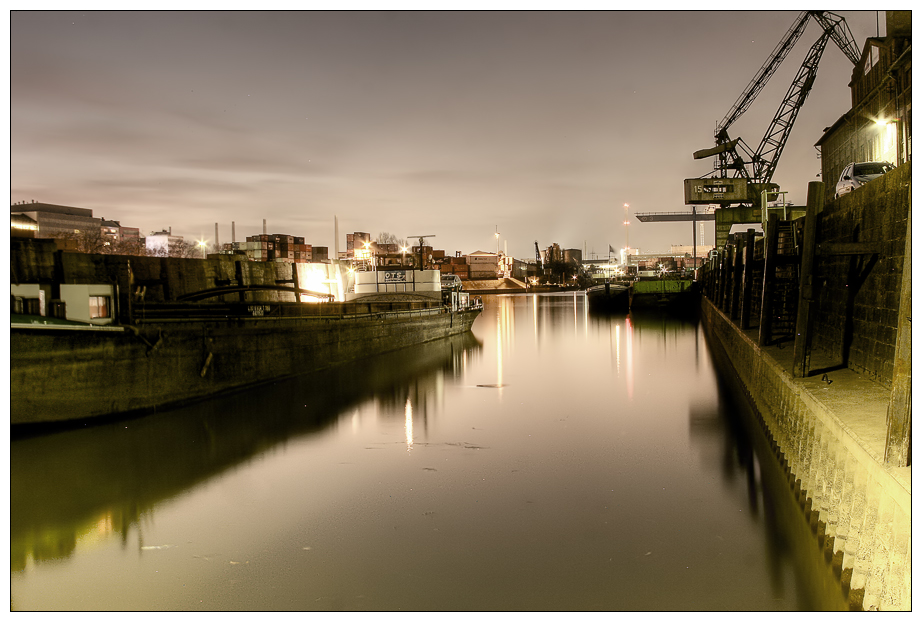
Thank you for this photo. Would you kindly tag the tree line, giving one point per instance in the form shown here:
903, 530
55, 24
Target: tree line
94, 241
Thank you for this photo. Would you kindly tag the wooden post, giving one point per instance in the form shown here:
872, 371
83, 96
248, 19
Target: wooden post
712, 271
295, 281
737, 282
768, 278
899, 413
721, 278
709, 278
726, 278
805, 306
746, 302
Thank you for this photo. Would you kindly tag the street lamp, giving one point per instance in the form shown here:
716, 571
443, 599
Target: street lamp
201, 245
627, 222
366, 253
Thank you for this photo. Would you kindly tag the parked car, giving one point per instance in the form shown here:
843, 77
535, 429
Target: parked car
857, 174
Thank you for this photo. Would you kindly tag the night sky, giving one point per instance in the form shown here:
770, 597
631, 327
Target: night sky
540, 125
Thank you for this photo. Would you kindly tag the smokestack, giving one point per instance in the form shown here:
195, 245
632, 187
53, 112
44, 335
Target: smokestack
233, 232
216, 244
265, 231
336, 236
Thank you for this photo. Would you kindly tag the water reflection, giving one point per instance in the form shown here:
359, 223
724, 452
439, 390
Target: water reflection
739, 450
408, 423
726, 433
557, 461
82, 487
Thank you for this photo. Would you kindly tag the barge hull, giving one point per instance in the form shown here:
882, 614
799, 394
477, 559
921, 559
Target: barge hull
60, 375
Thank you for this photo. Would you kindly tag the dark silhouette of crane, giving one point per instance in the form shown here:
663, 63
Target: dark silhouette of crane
759, 165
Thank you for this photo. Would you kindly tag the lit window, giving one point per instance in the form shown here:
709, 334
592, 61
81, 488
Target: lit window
872, 59
99, 307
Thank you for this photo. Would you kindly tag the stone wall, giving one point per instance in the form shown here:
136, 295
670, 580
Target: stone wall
860, 512
859, 295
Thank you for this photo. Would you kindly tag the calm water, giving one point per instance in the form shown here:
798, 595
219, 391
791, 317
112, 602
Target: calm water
553, 460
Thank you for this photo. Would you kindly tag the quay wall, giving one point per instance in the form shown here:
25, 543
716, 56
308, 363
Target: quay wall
858, 300
859, 509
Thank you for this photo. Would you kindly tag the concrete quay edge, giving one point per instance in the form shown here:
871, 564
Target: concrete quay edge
859, 508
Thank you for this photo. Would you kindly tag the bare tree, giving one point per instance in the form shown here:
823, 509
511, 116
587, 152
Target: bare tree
176, 248
389, 238
92, 241
129, 246
187, 250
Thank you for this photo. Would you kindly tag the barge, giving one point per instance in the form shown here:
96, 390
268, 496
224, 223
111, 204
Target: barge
104, 337
609, 297
178, 353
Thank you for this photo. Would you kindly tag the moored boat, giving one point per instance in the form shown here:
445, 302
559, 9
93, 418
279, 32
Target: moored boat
161, 333
180, 353
609, 297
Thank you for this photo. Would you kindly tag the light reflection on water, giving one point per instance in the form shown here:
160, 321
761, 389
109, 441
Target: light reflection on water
553, 460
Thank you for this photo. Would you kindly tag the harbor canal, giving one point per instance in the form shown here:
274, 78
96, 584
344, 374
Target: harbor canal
551, 460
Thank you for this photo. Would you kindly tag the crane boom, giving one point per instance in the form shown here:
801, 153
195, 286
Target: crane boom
766, 157
763, 161
839, 31
765, 73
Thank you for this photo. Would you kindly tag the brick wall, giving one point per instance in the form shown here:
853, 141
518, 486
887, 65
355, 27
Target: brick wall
859, 295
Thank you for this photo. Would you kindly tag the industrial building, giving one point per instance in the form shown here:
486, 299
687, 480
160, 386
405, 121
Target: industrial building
54, 220
878, 127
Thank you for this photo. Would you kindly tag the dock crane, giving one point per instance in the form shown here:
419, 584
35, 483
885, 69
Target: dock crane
738, 180
538, 261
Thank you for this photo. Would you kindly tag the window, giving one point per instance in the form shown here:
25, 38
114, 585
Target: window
100, 307
871, 60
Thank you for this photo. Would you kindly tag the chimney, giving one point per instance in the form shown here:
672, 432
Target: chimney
216, 245
233, 232
265, 231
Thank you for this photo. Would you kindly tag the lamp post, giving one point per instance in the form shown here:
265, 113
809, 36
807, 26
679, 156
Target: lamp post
201, 245
627, 223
